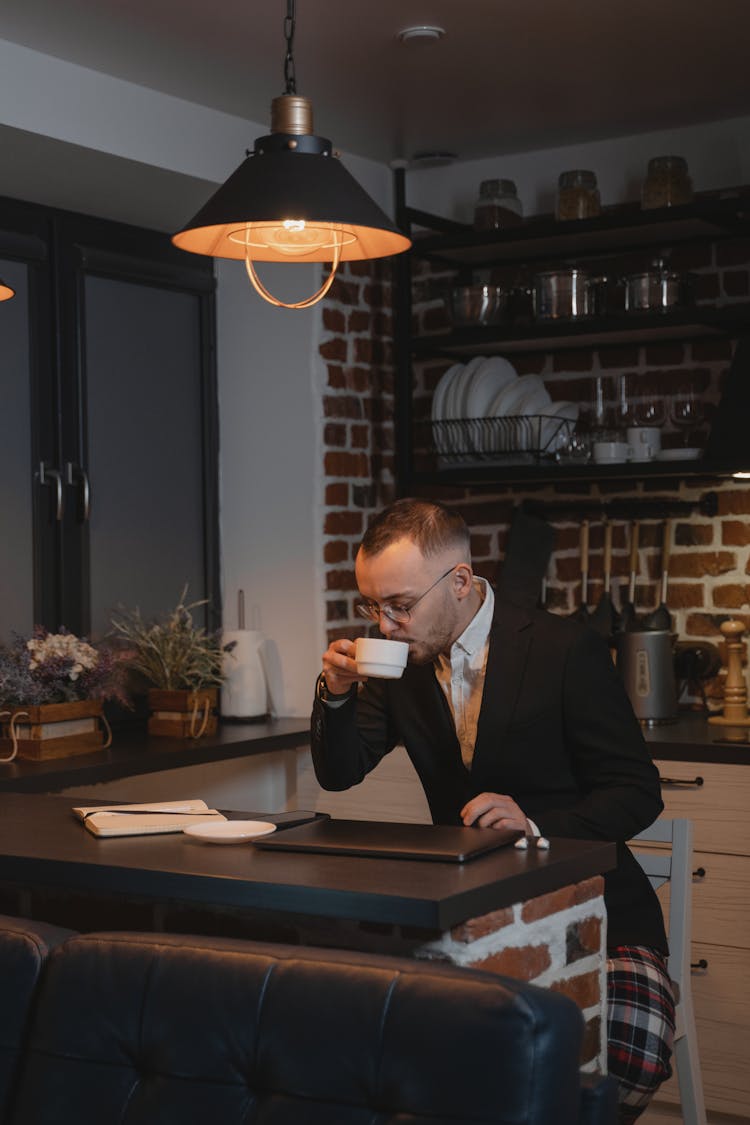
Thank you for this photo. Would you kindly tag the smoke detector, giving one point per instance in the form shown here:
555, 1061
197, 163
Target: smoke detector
437, 159
421, 35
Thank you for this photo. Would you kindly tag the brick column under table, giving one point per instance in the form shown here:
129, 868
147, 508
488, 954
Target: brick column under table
556, 941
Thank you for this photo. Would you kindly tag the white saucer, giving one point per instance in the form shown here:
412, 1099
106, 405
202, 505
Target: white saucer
229, 831
688, 453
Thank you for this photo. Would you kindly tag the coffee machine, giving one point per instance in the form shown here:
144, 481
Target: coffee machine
645, 660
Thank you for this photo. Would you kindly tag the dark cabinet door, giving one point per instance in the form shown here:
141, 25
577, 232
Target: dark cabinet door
113, 452
29, 497
141, 486
16, 487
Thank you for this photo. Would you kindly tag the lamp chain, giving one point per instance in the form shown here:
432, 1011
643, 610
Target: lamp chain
289, 75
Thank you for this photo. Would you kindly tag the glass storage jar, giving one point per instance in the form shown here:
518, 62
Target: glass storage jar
577, 195
667, 183
498, 205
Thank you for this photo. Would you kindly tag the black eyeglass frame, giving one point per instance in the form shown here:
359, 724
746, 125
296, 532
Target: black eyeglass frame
399, 614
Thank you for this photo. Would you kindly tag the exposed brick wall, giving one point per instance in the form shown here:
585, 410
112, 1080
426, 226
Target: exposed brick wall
558, 941
357, 352
710, 560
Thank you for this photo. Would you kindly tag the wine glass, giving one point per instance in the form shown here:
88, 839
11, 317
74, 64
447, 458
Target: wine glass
625, 411
649, 409
687, 412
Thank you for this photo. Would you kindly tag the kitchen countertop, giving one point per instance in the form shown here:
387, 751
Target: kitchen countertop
134, 752
43, 844
693, 739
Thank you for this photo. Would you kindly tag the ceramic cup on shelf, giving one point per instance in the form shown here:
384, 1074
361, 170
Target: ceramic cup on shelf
645, 441
612, 452
379, 657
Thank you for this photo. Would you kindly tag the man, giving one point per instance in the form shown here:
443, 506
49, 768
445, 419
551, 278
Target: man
513, 719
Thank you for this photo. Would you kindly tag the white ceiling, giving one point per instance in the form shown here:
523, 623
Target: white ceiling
509, 76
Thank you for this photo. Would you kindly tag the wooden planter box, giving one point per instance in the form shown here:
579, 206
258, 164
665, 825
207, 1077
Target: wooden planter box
53, 730
183, 714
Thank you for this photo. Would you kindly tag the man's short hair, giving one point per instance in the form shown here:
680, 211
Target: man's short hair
430, 526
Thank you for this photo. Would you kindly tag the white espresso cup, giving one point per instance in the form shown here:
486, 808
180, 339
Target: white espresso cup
646, 442
378, 657
612, 452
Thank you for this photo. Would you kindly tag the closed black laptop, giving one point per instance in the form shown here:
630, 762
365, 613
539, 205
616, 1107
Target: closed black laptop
444, 843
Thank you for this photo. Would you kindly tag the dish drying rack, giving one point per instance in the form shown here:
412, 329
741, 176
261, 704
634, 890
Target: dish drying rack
510, 439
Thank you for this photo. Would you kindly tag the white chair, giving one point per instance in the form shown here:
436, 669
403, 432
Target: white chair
676, 867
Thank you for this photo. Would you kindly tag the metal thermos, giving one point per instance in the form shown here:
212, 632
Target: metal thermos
646, 663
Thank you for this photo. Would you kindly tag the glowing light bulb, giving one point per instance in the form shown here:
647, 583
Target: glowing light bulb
293, 237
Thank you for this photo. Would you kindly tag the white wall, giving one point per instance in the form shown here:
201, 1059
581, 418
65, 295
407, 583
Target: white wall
270, 460
51, 98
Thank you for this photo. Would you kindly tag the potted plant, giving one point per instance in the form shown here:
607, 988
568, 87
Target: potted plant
52, 686
181, 662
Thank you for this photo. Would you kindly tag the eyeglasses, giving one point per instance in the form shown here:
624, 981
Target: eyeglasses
399, 614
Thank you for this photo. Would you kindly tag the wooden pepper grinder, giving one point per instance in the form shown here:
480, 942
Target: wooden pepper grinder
735, 712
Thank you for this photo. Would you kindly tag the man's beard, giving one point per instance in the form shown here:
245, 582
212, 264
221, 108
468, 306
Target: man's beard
429, 648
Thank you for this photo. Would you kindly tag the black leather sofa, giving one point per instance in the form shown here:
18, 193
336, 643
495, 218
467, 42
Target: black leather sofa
148, 1029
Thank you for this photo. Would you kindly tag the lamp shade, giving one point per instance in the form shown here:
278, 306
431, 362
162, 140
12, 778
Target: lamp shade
285, 204
5, 291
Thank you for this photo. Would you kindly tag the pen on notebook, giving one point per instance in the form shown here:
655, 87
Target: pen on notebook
151, 812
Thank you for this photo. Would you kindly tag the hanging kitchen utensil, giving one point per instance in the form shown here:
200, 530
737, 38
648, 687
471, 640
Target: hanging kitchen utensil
628, 618
527, 555
582, 613
605, 617
660, 618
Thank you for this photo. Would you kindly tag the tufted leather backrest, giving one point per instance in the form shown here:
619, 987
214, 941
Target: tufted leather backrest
24, 949
173, 1030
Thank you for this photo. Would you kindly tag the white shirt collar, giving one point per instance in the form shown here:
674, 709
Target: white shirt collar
475, 634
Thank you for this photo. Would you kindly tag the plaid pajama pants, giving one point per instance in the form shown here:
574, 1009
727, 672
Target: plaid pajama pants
640, 1025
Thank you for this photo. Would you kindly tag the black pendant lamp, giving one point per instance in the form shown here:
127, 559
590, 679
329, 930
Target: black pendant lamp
291, 201
5, 291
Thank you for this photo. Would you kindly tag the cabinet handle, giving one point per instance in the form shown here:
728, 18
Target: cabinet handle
699, 873
74, 473
46, 477
681, 781
702, 964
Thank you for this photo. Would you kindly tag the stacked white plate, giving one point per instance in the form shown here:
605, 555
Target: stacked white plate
458, 392
491, 388
526, 395
490, 378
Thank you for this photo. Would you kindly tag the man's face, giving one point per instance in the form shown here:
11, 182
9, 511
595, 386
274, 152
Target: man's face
399, 575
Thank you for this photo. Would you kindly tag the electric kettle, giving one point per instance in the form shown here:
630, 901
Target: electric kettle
646, 663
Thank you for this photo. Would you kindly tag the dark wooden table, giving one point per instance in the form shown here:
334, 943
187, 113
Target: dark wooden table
43, 844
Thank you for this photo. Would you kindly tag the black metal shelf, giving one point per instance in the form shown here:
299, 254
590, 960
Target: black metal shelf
619, 230
599, 332
626, 227
550, 473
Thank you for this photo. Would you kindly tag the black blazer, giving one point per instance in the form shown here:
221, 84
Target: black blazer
556, 732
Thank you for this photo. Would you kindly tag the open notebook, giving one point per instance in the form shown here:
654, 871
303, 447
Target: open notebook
145, 820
